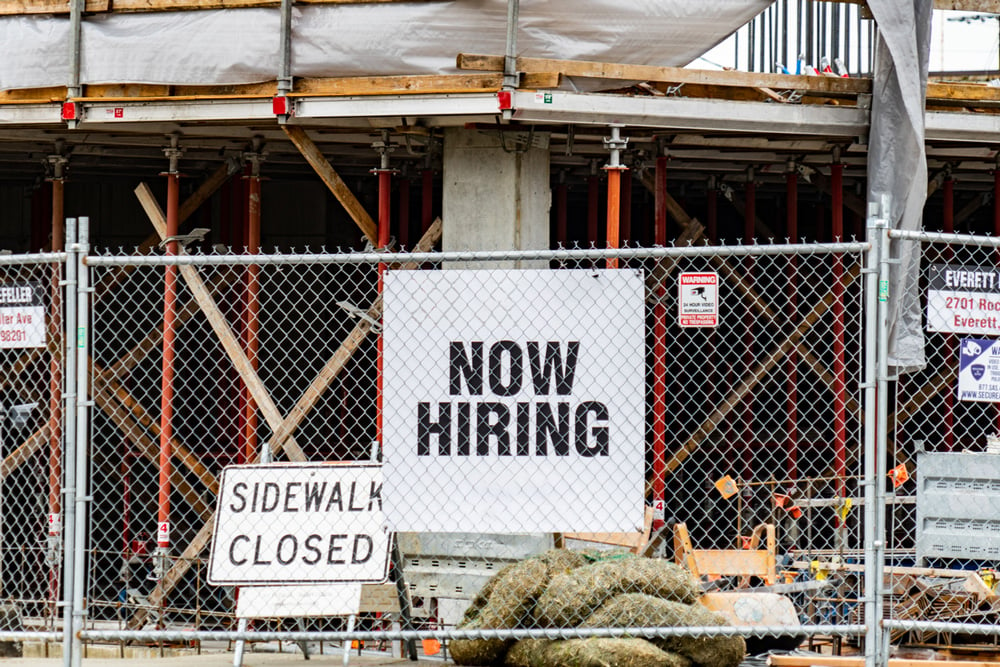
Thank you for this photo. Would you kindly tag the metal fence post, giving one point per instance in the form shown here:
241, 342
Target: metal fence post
82, 440
876, 295
69, 448
882, 424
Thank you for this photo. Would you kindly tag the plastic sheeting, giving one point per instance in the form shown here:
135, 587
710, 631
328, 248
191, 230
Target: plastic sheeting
897, 160
242, 45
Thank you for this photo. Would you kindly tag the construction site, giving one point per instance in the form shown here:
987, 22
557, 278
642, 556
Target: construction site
521, 332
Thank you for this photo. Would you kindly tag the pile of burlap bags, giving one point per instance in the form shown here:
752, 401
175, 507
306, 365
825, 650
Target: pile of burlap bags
568, 589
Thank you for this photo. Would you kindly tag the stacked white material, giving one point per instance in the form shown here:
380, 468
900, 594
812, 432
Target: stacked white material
242, 45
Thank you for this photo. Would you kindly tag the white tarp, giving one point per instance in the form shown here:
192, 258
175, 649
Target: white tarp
242, 45
897, 160
514, 401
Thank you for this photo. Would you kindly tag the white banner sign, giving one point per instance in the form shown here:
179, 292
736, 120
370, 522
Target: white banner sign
296, 523
514, 401
979, 371
22, 316
963, 299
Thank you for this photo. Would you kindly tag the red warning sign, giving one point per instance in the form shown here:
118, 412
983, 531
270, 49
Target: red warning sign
698, 300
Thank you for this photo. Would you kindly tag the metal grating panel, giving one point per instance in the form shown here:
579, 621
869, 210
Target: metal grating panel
958, 506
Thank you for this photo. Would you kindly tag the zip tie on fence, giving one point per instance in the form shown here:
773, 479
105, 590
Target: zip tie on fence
357, 313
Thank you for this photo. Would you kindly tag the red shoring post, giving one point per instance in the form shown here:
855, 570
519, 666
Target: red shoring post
791, 361
659, 346
615, 145
749, 236
251, 342
383, 147
625, 220
58, 163
839, 367
173, 153
949, 228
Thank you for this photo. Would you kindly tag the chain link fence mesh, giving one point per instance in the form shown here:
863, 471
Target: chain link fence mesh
31, 442
942, 487
740, 443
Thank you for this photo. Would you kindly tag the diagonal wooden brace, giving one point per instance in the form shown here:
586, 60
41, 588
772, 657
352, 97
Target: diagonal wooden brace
222, 330
305, 404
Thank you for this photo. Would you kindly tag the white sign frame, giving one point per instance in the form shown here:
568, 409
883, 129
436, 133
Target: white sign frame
963, 299
698, 299
22, 316
519, 487
301, 532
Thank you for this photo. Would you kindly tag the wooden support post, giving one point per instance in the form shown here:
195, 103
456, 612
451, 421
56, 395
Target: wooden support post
311, 152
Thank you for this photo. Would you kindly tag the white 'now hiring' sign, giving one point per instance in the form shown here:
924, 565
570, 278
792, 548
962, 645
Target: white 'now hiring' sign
513, 400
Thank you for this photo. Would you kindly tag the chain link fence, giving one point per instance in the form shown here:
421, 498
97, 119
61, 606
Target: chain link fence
943, 482
31, 441
503, 447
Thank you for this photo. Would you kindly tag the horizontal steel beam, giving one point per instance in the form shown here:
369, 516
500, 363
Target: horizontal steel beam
687, 113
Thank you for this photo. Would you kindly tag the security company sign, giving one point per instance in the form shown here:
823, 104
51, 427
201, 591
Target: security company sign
291, 523
514, 400
698, 300
979, 371
22, 316
963, 299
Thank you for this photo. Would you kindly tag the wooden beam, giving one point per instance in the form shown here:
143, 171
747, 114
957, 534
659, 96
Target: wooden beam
408, 85
283, 432
15, 7
311, 152
174, 5
343, 354
619, 71
222, 330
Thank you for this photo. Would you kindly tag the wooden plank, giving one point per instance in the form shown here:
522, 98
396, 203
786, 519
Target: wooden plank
24, 451
732, 562
222, 330
620, 71
430, 83
15, 7
174, 5
631, 541
311, 152
343, 354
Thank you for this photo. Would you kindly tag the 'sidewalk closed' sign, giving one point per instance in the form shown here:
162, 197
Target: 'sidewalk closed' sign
283, 523
514, 400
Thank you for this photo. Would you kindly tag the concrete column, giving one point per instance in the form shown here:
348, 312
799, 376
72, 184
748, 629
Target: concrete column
495, 199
